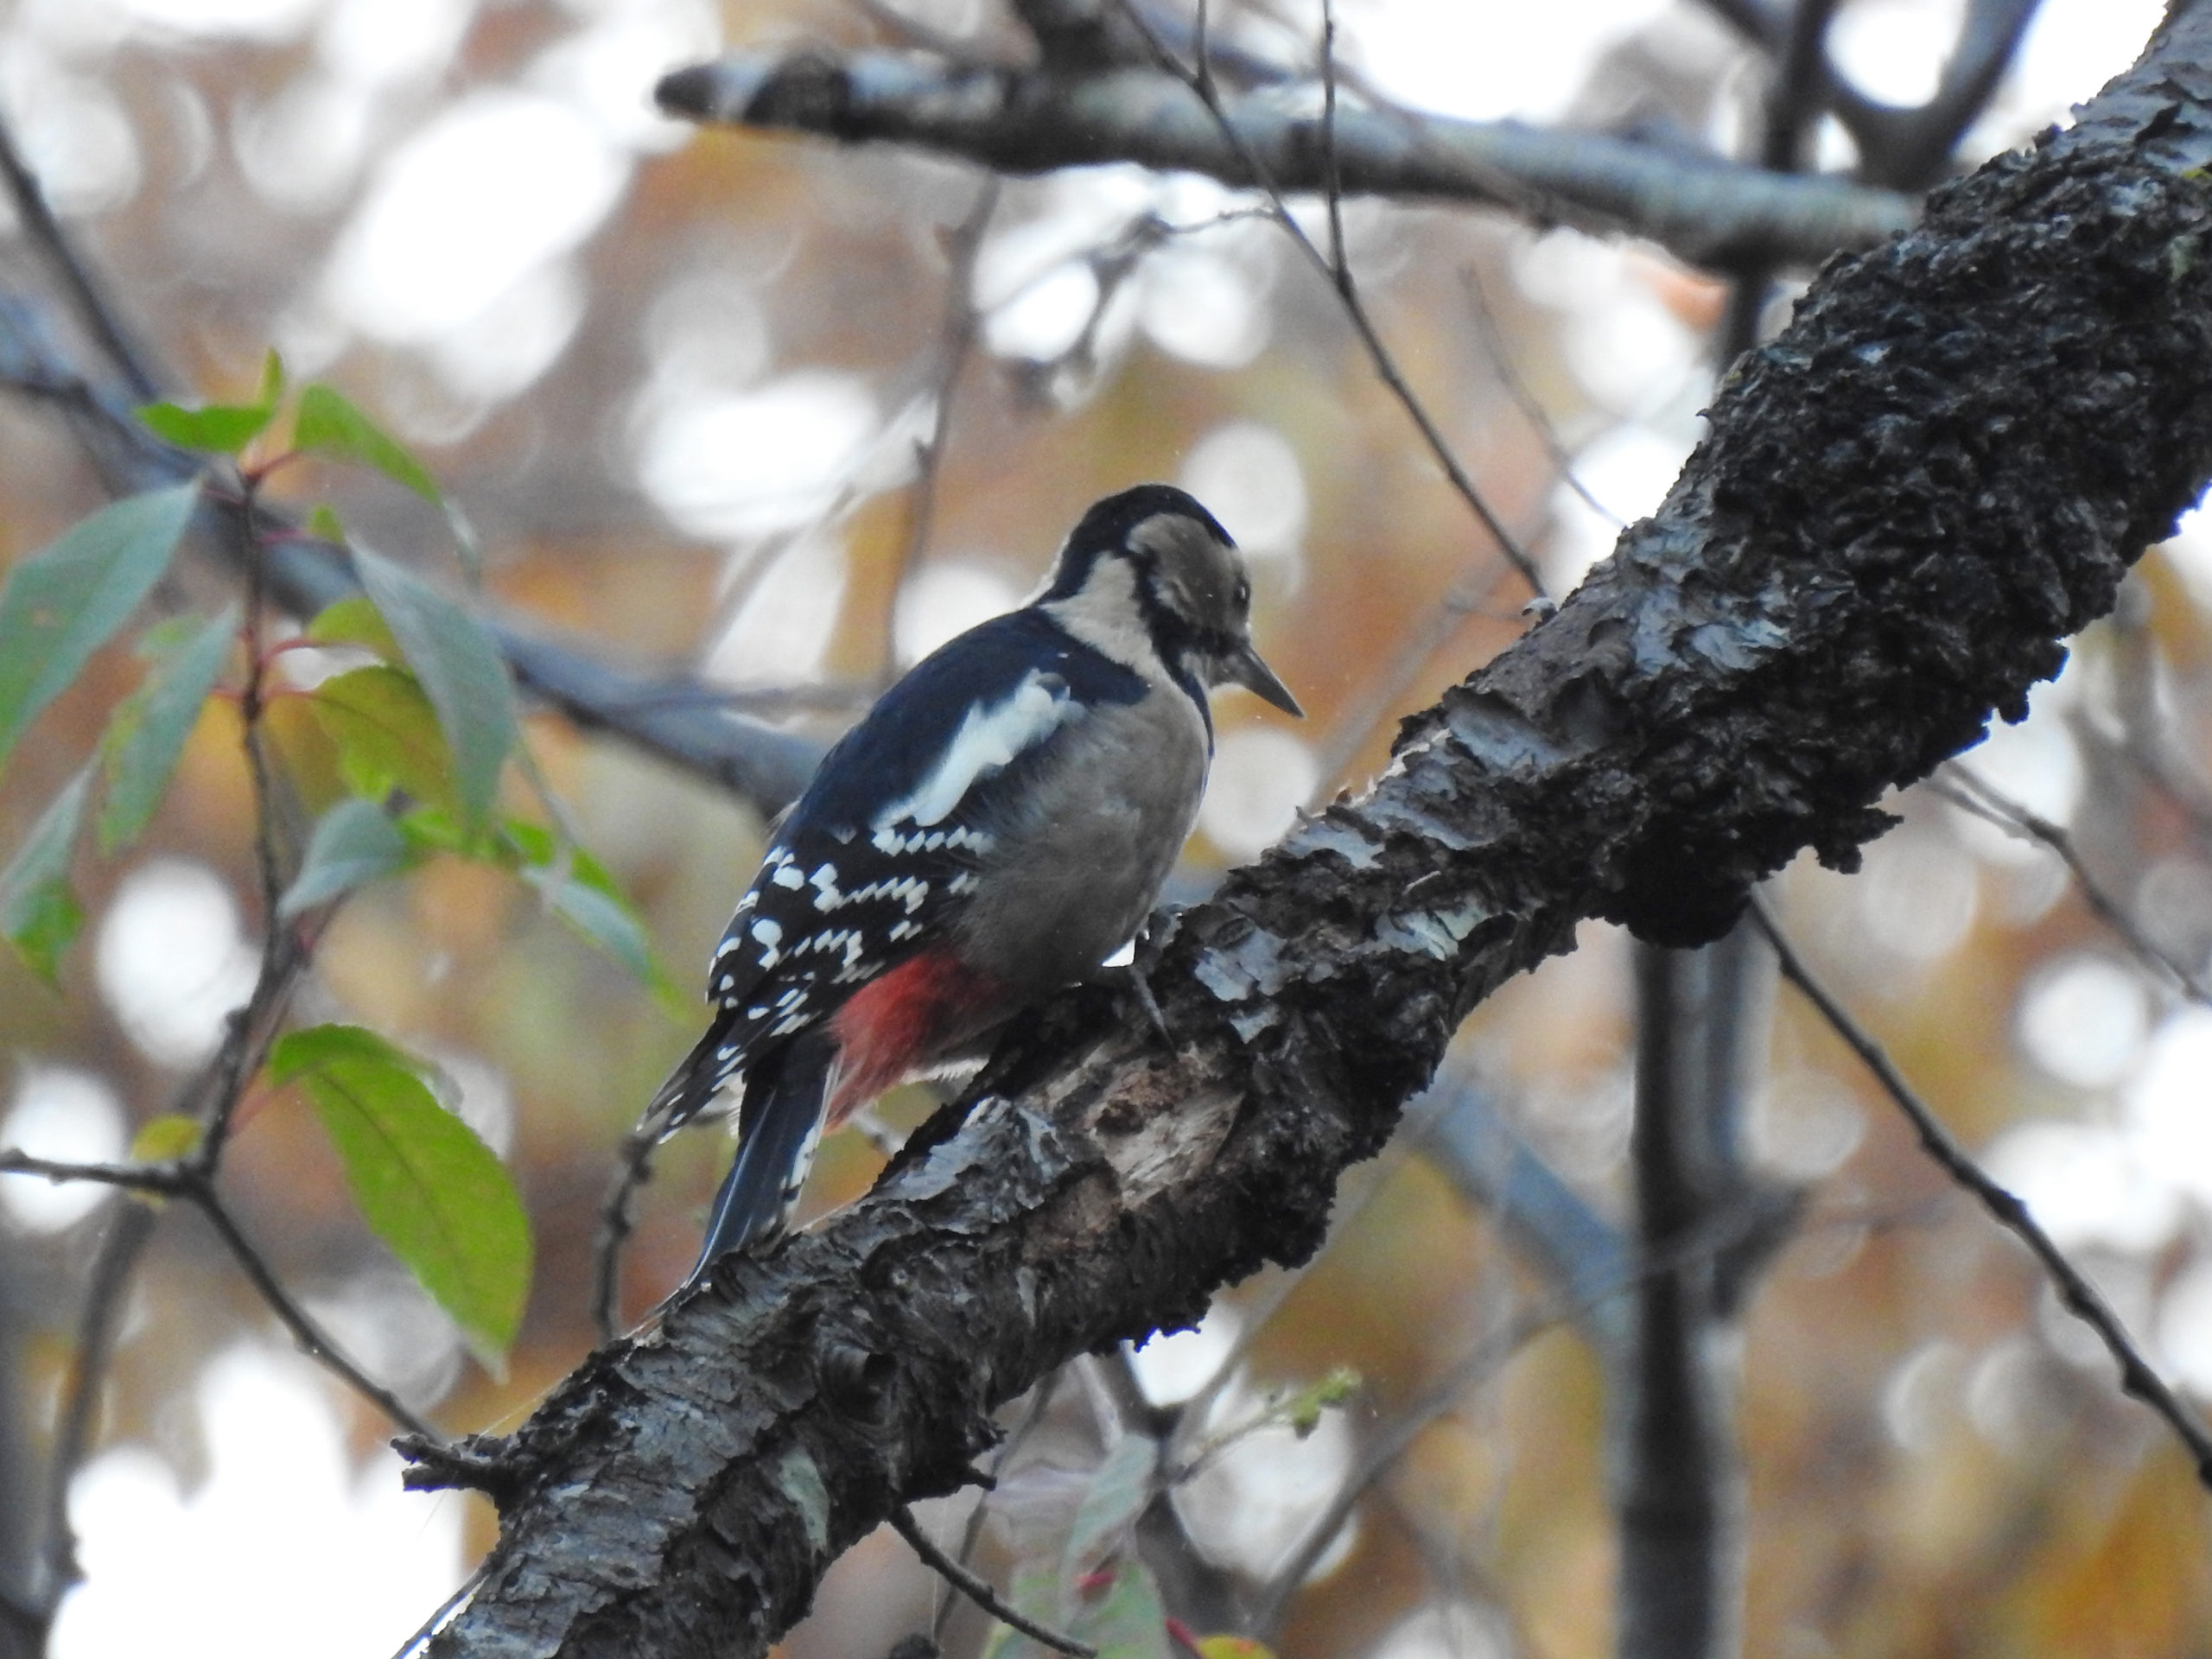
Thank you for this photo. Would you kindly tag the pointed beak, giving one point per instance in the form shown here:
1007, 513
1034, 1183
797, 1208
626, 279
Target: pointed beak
1244, 668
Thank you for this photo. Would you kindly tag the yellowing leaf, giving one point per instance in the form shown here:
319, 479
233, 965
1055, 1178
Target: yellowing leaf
354, 620
460, 669
386, 734
165, 1138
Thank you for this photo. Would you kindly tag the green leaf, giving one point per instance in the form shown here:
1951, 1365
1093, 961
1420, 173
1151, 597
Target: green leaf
323, 521
459, 668
219, 428
602, 918
39, 912
215, 428
355, 620
386, 734
329, 425
1119, 1490
425, 1183
66, 600
354, 845
146, 735
586, 896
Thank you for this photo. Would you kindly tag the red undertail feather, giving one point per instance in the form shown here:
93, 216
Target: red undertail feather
907, 1022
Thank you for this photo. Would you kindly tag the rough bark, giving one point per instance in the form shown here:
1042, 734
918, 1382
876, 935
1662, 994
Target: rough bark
1941, 469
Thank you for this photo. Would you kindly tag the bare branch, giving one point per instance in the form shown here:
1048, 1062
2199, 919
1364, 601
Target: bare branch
314, 1341
91, 306
98, 1322
2080, 1297
155, 1180
1706, 210
1040, 1402
1332, 181
1903, 148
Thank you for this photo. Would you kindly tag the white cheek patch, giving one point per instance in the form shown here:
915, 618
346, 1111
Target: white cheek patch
988, 739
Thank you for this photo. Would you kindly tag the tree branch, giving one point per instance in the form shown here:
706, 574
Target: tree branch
1707, 211
1943, 467
2081, 1299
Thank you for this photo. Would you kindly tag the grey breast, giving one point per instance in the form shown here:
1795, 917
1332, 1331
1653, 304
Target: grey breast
1078, 862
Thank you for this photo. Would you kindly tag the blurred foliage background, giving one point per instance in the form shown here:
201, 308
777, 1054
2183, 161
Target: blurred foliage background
685, 387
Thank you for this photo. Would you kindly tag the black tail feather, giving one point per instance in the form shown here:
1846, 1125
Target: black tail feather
691, 1088
777, 1127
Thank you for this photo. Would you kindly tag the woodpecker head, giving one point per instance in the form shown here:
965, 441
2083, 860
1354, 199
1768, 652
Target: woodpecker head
1149, 577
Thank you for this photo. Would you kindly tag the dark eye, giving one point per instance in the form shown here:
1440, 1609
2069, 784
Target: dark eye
1243, 591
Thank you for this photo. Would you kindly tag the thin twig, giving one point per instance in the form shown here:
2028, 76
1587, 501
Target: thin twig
1333, 182
253, 704
956, 345
1386, 366
1110, 265
2079, 1296
1994, 806
1492, 339
157, 1180
979, 1592
283, 952
311, 1337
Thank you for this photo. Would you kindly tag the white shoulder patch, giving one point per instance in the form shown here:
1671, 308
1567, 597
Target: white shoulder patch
990, 738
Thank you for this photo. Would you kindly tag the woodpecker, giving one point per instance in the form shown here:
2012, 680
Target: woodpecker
996, 827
